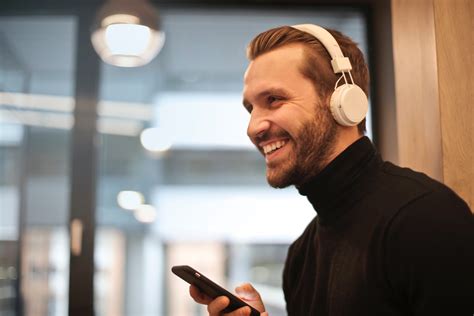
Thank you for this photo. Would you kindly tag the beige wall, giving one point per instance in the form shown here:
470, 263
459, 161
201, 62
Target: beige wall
432, 44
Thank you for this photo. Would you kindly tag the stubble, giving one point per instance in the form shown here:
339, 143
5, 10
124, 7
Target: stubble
313, 147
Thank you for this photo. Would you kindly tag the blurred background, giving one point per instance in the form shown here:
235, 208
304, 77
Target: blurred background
110, 175
171, 136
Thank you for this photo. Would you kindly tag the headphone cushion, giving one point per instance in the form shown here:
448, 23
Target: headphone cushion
349, 105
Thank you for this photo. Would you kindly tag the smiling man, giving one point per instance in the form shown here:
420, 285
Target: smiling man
386, 240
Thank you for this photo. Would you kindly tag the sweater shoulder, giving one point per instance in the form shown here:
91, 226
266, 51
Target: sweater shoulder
427, 245
432, 203
403, 198
406, 179
400, 187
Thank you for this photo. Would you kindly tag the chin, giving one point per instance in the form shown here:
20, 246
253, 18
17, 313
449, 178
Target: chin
279, 180
279, 184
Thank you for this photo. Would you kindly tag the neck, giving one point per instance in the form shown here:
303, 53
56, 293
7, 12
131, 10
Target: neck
346, 136
343, 181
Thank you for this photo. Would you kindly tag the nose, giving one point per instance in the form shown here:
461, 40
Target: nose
258, 125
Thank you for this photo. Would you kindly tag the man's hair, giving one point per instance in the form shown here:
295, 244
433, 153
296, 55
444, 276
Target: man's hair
317, 64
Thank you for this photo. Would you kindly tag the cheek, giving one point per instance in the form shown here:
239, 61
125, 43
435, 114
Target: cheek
292, 121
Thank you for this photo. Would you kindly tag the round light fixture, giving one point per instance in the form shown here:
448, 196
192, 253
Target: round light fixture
127, 33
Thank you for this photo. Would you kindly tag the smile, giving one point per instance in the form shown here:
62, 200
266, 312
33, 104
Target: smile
272, 147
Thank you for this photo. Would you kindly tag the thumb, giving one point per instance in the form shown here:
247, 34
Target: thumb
249, 294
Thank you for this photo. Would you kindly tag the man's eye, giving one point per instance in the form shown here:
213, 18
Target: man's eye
249, 108
272, 98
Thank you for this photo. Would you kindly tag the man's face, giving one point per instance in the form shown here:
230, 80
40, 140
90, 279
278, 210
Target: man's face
289, 123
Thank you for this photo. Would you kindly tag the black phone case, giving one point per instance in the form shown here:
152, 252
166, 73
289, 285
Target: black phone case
210, 288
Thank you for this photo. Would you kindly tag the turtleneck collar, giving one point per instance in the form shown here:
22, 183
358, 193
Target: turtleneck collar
344, 180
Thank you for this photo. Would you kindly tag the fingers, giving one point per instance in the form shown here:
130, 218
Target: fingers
216, 306
244, 311
198, 296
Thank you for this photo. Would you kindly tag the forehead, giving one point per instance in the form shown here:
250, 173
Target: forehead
279, 68
275, 62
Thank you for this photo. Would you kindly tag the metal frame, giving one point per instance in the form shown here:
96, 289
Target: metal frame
83, 171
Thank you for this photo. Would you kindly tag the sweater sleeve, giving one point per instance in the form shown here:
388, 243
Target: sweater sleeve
429, 255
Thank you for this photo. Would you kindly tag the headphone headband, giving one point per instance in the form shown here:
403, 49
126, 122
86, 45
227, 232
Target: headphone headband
338, 61
348, 102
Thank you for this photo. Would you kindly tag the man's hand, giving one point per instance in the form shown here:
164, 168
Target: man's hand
246, 292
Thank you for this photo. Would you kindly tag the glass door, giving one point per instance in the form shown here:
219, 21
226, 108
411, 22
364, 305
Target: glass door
176, 180
37, 70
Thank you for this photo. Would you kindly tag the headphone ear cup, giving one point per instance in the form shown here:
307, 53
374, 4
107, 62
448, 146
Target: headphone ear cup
349, 105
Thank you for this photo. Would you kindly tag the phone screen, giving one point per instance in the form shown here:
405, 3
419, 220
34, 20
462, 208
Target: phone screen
210, 288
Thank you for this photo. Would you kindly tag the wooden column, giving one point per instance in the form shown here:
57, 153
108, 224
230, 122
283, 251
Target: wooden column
432, 55
455, 49
416, 87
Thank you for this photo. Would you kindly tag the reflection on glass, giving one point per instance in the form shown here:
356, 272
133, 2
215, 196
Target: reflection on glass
130, 200
156, 139
145, 213
110, 269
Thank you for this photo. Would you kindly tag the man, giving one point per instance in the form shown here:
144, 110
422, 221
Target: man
386, 240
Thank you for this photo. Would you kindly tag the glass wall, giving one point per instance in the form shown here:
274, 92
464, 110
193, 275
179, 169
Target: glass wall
36, 87
178, 182
173, 139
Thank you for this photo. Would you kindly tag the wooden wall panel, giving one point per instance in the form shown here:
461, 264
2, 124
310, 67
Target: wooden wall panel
455, 50
416, 86
433, 46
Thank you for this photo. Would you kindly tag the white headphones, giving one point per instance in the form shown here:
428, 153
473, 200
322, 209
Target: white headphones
349, 103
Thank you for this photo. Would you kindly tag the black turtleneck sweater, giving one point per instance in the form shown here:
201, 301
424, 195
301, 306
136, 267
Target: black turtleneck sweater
386, 241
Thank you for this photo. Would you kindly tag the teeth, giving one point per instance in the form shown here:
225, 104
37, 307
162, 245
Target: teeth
273, 146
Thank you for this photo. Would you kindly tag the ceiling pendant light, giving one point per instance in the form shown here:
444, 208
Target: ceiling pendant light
127, 33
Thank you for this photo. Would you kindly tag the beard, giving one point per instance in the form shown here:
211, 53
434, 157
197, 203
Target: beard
312, 147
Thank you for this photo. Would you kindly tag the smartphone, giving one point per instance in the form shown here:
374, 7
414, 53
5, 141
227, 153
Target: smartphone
210, 288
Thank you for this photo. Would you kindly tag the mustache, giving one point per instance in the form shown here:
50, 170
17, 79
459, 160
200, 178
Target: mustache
270, 135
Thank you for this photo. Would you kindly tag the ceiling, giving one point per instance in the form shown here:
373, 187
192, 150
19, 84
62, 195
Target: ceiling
48, 6
197, 55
